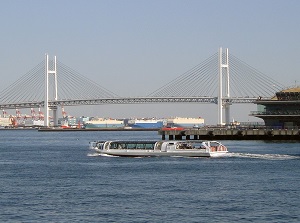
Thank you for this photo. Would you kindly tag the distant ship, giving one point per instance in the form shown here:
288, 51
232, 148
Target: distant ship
104, 123
151, 123
33, 123
5, 122
185, 122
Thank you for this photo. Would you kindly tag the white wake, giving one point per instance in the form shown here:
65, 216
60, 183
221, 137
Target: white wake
262, 156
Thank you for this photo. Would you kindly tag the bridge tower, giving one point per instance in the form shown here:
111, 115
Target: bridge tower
223, 102
49, 72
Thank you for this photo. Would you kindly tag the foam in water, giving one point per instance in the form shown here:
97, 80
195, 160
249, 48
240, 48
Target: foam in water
262, 156
93, 154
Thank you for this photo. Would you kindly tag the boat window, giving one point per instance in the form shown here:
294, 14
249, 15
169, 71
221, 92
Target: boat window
141, 146
113, 146
131, 146
99, 145
215, 144
149, 146
198, 145
184, 146
145, 146
122, 146
116, 145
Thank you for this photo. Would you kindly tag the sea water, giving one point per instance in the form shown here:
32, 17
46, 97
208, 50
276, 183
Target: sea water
54, 177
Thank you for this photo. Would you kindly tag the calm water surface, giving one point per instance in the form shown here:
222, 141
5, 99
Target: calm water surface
54, 177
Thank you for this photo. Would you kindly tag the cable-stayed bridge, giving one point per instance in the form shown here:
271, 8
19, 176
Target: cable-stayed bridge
221, 79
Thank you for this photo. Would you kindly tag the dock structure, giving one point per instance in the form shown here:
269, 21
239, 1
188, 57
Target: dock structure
230, 134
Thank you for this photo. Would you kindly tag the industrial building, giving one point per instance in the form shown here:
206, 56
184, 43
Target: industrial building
281, 111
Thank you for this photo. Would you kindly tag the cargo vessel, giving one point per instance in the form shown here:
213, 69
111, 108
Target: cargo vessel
146, 123
185, 122
104, 123
5, 122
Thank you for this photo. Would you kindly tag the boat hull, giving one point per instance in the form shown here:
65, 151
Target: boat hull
151, 153
105, 125
155, 124
146, 125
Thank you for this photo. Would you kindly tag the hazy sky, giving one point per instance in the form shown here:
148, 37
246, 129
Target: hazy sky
133, 47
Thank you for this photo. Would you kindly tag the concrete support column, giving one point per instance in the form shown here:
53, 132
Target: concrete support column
55, 117
227, 113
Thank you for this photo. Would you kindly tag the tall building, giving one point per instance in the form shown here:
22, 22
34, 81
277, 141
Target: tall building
282, 111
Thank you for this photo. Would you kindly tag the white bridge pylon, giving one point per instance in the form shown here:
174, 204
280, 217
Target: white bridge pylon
224, 88
49, 72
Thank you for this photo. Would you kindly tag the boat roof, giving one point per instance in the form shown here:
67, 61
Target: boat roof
154, 141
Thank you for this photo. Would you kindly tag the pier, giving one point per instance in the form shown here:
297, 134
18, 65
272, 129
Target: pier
230, 134
197, 134
96, 129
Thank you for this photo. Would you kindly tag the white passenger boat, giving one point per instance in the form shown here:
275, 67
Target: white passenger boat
185, 148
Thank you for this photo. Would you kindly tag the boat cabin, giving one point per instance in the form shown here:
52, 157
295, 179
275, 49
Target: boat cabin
211, 146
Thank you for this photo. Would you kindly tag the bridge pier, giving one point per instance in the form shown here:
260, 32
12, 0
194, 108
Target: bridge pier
227, 113
54, 115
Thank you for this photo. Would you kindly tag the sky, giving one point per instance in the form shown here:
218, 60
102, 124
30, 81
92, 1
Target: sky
133, 47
